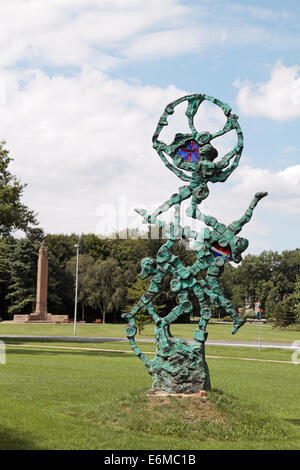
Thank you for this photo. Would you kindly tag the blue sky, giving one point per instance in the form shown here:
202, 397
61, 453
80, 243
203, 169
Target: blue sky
82, 86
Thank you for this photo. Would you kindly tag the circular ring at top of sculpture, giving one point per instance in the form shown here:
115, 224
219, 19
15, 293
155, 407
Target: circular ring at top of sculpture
189, 151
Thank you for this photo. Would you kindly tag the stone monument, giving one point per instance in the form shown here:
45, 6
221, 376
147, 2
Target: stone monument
41, 285
41, 315
179, 366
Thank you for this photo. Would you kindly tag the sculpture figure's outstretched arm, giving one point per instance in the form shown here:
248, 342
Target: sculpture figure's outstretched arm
237, 151
175, 170
237, 225
224, 162
160, 148
151, 219
232, 123
223, 175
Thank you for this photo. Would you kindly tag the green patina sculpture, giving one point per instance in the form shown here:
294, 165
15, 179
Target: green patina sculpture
179, 366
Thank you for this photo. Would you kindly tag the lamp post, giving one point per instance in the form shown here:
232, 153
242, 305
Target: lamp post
258, 312
76, 289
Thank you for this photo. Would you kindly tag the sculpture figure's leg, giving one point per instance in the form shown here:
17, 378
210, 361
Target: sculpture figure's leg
185, 306
218, 299
200, 333
131, 331
177, 198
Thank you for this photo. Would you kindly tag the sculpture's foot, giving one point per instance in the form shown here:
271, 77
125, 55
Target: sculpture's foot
240, 322
260, 195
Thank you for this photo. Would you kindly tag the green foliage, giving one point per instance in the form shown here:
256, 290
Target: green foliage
22, 264
273, 299
106, 290
63, 246
134, 293
142, 320
85, 265
13, 214
269, 278
60, 287
6, 248
295, 300
281, 314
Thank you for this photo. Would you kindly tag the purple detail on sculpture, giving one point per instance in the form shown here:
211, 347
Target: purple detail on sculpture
190, 153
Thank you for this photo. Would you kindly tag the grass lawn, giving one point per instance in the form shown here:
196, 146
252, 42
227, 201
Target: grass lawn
268, 354
79, 399
248, 332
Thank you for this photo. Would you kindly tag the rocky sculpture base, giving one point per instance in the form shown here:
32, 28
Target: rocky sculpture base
179, 367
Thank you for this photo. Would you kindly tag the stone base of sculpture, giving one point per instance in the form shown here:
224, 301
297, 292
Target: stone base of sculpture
202, 394
179, 366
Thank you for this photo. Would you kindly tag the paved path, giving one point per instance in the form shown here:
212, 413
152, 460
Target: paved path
76, 348
212, 342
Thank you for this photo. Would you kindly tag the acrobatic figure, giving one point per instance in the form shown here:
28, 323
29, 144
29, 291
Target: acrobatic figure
220, 245
195, 154
178, 365
213, 248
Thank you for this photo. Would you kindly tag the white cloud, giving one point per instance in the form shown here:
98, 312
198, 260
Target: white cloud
172, 42
83, 141
76, 33
278, 98
107, 33
283, 187
259, 13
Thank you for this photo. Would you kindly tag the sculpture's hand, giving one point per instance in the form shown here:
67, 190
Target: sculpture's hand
142, 212
231, 122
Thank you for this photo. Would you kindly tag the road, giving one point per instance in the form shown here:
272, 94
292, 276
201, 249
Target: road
88, 339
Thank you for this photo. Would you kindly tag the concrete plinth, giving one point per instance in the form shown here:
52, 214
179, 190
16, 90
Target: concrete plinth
201, 394
33, 318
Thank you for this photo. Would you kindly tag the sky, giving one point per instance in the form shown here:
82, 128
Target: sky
84, 82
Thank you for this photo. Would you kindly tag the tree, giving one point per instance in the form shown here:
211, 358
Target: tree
262, 291
62, 246
13, 214
238, 296
134, 293
106, 290
273, 299
293, 302
85, 278
283, 313
60, 287
23, 268
6, 249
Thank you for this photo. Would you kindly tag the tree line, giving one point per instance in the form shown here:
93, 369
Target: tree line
108, 282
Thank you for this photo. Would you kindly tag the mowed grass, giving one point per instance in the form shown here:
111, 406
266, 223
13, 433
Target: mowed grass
216, 331
265, 354
80, 399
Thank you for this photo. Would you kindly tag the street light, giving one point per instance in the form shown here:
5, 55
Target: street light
76, 289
